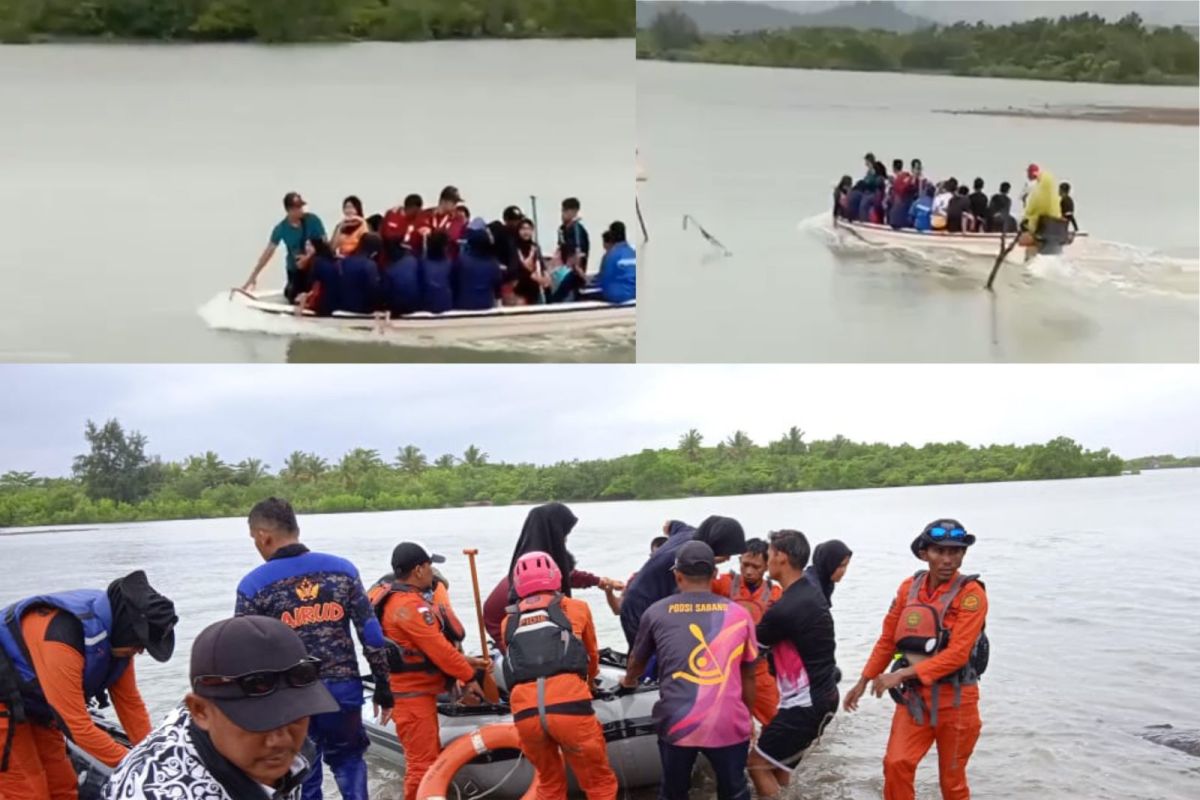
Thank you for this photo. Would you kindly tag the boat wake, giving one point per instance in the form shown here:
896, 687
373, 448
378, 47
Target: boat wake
221, 314
1090, 263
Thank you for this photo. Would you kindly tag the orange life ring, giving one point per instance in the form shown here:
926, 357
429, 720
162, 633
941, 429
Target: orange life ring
498, 736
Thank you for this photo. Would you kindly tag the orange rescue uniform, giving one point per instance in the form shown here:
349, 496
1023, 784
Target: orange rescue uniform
38, 767
766, 691
957, 726
415, 624
577, 738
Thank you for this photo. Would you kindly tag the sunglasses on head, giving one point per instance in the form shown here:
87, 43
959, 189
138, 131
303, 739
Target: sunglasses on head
938, 533
265, 682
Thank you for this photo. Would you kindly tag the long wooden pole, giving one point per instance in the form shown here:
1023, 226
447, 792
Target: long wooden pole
470, 553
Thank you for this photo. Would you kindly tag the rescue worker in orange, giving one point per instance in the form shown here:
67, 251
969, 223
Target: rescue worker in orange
551, 662
423, 660
933, 636
753, 590
57, 652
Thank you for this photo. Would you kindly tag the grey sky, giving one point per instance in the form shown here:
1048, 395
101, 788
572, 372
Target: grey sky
545, 413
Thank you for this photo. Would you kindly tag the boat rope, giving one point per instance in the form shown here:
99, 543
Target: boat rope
711, 239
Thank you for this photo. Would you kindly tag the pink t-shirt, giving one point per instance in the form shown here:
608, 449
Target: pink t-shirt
701, 641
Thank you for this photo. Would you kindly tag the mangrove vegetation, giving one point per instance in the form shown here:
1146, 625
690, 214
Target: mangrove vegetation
1084, 47
312, 20
116, 479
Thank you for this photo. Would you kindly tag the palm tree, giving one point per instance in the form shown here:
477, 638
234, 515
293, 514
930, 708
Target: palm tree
300, 467
739, 444
474, 457
689, 444
411, 460
250, 470
793, 442
445, 461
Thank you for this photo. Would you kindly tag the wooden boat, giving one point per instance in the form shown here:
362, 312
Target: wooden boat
975, 244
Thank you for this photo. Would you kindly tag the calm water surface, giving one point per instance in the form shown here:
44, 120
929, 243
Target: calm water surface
1092, 619
144, 180
753, 154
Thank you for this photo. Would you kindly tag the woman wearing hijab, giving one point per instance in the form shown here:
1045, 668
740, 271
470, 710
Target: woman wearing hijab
829, 563
546, 529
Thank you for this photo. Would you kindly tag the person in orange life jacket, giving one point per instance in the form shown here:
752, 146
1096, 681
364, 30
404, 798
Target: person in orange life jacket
439, 597
551, 662
319, 596
611, 589
753, 590
477, 274
293, 232
350, 228
57, 652
401, 227
545, 529
798, 628
935, 626
422, 660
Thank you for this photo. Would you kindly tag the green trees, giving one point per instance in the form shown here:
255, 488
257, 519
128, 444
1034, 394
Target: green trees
313, 20
117, 467
1077, 48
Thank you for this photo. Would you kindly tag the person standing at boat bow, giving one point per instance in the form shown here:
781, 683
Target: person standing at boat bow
319, 596
293, 231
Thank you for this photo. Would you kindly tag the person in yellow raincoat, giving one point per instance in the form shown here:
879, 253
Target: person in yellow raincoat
1043, 203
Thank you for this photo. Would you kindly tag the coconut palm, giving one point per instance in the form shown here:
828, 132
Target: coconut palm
445, 461
689, 444
411, 460
474, 457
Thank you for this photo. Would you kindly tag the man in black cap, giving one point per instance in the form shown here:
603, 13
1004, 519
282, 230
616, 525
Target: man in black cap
504, 238
706, 651
240, 732
57, 652
935, 624
425, 658
319, 596
294, 231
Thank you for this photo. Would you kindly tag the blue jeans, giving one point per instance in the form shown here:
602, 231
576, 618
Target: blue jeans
729, 764
339, 738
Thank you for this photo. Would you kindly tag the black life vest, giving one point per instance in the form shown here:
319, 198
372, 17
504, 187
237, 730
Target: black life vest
541, 642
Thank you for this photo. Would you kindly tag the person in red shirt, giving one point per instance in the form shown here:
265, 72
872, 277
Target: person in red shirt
551, 662
446, 217
753, 590
933, 636
424, 660
401, 227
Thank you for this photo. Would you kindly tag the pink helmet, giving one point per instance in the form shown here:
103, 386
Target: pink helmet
536, 572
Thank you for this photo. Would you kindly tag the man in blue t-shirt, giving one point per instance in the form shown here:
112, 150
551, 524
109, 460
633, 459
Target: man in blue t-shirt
293, 231
618, 268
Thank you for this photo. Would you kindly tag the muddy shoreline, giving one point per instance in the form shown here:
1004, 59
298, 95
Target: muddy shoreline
1138, 115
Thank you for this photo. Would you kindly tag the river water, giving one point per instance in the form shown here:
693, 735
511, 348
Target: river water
753, 155
141, 182
1092, 592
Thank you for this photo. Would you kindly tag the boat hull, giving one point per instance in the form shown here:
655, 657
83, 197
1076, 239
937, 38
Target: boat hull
499, 322
977, 244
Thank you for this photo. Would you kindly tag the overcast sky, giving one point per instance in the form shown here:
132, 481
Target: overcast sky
545, 413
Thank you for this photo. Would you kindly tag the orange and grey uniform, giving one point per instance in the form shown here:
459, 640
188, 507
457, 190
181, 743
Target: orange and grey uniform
756, 601
560, 724
38, 767
953, 720
426, 660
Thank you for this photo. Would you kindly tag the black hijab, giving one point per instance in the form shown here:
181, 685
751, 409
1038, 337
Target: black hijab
546, 529
142, 616
826, 558
723, 534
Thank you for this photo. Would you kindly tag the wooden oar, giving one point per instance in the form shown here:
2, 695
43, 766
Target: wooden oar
711, 239
490, 691
637, 205
1004, 251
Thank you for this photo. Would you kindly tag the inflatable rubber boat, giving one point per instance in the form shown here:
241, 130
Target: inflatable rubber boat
624, 714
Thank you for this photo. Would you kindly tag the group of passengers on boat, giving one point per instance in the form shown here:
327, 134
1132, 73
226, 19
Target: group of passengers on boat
411, 258
907, 199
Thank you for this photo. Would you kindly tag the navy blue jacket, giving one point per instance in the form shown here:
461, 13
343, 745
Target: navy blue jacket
654, 580
401, 286
436, 294
359, 292
318, 596
476, 279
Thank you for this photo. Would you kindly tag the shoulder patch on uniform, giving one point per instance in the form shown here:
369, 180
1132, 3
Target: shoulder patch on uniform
970, 602
427, 615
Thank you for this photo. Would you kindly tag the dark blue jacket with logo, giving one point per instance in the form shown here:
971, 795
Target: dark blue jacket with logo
318, 596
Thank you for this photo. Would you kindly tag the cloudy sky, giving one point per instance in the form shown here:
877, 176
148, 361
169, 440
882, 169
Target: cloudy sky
544, 413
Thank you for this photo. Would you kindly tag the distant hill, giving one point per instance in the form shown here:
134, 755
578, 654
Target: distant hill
727, 16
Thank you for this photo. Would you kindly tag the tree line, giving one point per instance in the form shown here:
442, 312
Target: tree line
312, 20
117, 480
1084, 47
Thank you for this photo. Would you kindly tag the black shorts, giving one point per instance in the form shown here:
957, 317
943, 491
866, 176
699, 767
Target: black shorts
785, 738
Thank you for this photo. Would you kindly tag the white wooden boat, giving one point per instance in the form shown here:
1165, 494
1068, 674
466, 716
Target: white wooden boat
499, 322
977, 244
